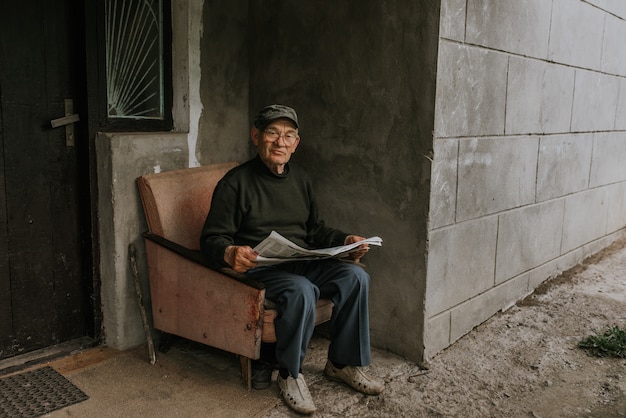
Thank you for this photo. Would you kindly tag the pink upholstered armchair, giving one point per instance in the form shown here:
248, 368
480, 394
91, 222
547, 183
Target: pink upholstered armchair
221, 309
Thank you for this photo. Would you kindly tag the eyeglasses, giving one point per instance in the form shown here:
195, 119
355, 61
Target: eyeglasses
273, 135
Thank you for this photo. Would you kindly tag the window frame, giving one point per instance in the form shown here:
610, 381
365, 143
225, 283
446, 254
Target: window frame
108, 124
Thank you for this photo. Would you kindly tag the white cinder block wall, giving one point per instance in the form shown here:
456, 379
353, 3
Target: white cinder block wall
529, 166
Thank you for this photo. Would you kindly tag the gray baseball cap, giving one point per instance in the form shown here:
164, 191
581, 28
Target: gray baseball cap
273, 112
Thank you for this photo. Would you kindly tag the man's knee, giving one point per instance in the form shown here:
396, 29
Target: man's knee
359, 274
304, 293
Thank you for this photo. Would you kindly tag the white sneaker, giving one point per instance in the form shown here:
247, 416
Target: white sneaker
296, 394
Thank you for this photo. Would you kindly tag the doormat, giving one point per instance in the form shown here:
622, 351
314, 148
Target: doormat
36, 393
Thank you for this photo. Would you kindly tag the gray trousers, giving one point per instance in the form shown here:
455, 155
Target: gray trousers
295, 288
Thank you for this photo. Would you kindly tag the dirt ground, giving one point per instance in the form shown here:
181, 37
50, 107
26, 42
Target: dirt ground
523, 362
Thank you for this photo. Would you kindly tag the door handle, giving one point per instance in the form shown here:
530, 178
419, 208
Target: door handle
68, 121
65, 120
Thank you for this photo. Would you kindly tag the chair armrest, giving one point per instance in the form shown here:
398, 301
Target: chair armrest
197, 257
201, 304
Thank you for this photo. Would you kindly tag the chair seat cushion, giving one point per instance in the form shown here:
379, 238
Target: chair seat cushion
323, 312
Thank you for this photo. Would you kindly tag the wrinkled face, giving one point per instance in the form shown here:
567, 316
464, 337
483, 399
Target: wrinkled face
275, 143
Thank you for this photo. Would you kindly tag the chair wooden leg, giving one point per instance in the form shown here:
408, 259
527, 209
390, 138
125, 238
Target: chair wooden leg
246, 371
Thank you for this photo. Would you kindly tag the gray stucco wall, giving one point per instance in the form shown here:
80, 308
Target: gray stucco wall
529, 149
223, 126
362, 77
122, 157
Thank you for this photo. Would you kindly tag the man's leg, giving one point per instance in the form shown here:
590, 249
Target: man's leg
295, 297
347, 285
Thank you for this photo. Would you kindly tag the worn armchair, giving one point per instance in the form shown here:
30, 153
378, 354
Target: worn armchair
221, 309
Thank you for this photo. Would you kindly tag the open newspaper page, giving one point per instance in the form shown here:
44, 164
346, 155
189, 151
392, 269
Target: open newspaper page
277, 249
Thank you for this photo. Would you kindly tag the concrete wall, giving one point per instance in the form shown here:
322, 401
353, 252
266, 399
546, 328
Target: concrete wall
529, 149
122, 157
210, 78
223, 88
362, 77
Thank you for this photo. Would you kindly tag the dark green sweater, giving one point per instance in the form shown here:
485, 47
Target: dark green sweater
251, 201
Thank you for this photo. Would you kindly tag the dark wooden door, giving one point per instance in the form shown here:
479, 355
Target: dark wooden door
45, 269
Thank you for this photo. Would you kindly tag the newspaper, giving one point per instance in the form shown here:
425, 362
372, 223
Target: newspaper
277, 249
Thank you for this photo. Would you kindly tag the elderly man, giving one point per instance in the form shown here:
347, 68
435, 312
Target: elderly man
269, 194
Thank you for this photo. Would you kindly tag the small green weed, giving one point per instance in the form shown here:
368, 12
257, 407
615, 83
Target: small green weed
610, 344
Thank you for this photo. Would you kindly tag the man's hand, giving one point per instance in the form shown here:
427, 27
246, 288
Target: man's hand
240, 258
356, 255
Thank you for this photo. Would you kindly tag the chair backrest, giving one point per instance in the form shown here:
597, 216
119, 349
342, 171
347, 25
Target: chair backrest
176, 202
